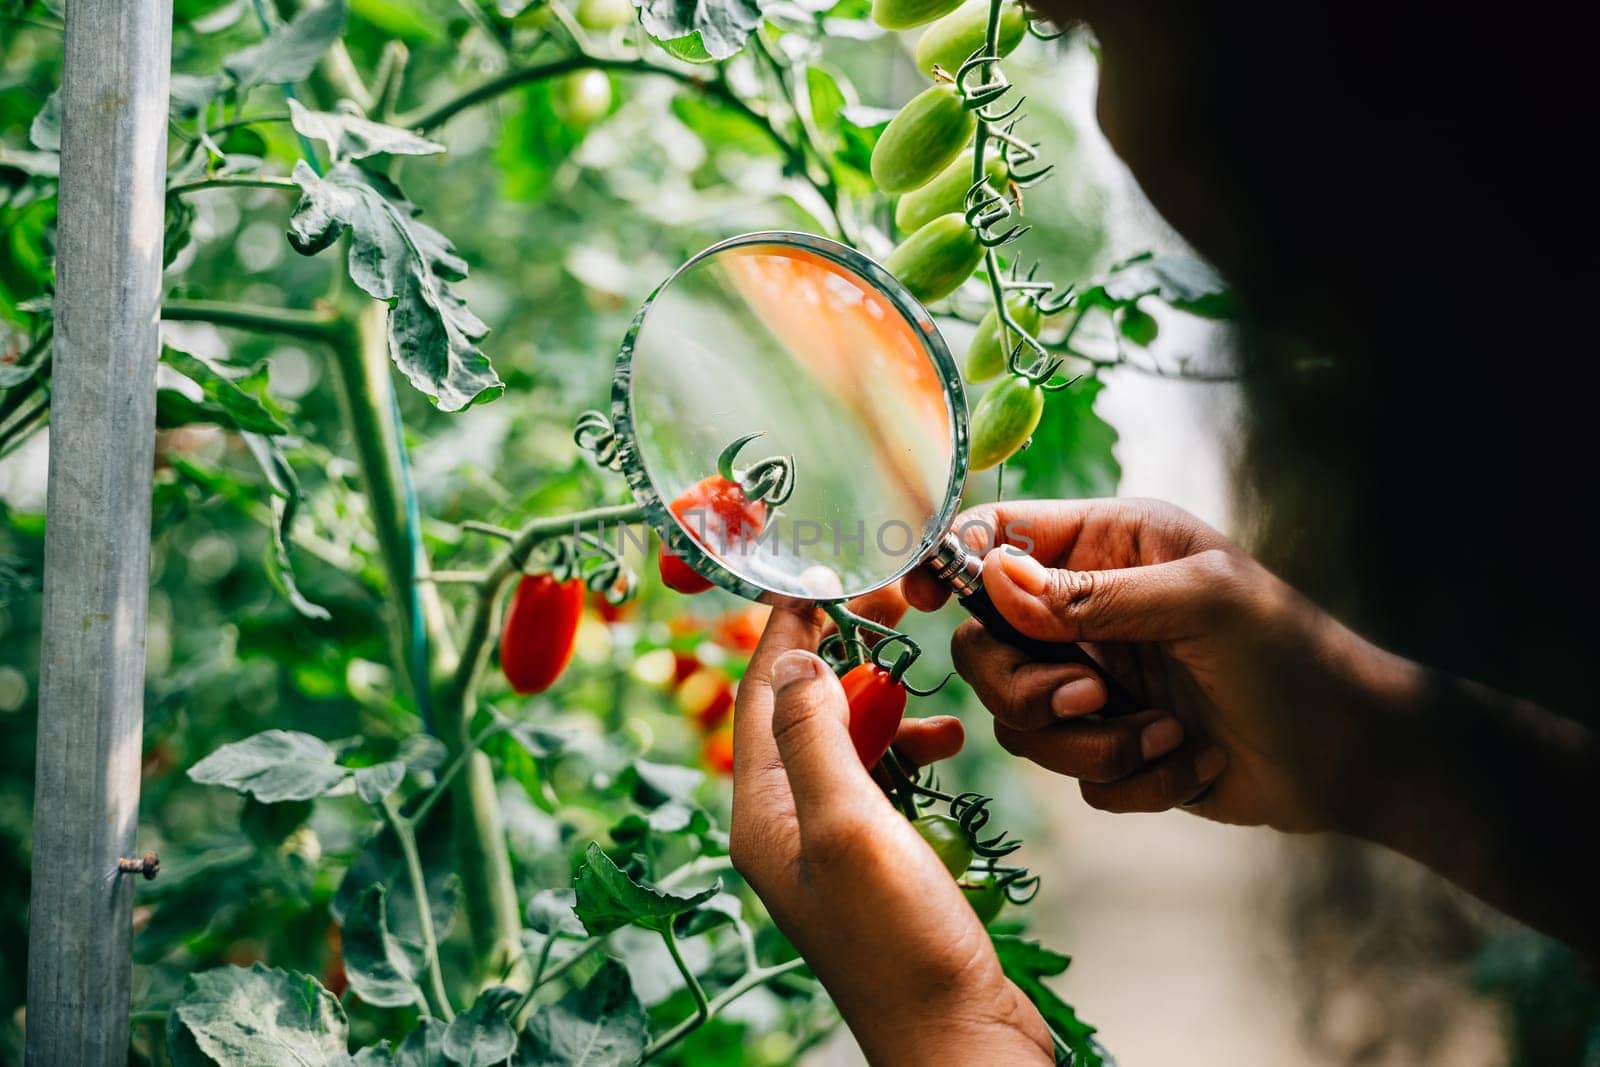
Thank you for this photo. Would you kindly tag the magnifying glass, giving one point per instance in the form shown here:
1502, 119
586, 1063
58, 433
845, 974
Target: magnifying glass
806, 353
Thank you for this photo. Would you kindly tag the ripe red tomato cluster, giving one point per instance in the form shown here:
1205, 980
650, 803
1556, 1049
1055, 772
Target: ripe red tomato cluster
704, 692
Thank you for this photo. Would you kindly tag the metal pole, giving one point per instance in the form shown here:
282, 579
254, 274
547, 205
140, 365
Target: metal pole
97, 541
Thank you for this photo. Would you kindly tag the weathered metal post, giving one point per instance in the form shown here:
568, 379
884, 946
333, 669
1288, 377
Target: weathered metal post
97, 544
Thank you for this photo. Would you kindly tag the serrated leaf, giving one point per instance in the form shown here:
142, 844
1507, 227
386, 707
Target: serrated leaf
599, 1025
44, 132
290, 51
720, 910
482, 1035
1027, 963
284, 499
1072, 455
407, 264
239, 400
723, 25
256, 1017
376, 782
609, 899
349, 135
380, 969
274, 766
671, 818
550, 913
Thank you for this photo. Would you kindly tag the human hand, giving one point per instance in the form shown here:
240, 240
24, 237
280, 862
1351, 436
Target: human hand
1248, 689
858, 891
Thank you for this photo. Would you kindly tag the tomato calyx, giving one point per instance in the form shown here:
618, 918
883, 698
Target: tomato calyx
768, 481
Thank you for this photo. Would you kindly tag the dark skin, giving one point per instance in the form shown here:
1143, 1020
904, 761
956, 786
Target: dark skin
1344, 173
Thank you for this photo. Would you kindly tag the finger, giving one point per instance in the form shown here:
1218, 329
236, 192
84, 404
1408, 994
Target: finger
1166, 783
1096, 750
923, 591
757, 771
925, 741
1157, 602
810, 719
1018, 690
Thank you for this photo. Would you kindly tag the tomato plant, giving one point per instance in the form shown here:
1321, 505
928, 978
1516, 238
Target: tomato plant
370, 838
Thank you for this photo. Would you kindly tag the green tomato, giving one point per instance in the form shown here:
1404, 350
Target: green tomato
604, 15
952, 40
583, 97
904, 14
987, 356
689, 48
948, 840
1004, 420
934, 261
984, 893
922, 140
947, 192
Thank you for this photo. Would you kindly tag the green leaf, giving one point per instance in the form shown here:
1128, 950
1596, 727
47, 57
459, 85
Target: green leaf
381, 971
33, 164
720, 910
44, 132
1071, 455
349, 135
237, 400
408, 264
1181, 281
1027, 963
608, 899
190, 94
482, 1034
550, 913
284, 497
655, 784
260, 1017
381, 862
289, 52
376, 782
723, 25
670, 819
599, 1025
274, 766
423, 1047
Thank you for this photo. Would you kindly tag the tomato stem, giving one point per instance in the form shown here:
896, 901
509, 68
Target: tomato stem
403, 832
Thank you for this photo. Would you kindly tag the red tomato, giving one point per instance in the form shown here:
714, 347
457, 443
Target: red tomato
683, 665
716, 752
608, 611
708, 696
540, 632
333, 973
740, 630
877, 704
716, 513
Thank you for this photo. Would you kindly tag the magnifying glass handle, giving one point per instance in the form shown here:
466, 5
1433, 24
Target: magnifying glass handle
963, 573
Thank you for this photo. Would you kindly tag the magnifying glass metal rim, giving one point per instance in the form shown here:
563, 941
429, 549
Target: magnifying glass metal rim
631, 459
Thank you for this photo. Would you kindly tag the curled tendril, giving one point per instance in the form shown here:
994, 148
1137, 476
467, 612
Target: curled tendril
1044, 31
769, 480
604, 571
1058, 302
993, 86
1016, 153
841, 652
594, 434
971, 811
986, 209
1019, 885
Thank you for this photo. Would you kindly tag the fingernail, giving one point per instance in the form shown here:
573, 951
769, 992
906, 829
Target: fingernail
793, 666
1209, 764
1160, 737
1026, 571
1081, 696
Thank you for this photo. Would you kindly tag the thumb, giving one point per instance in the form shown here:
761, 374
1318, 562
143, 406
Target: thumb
809, 724
1158, 602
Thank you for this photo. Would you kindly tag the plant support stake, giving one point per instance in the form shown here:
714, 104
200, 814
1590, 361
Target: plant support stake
97, 543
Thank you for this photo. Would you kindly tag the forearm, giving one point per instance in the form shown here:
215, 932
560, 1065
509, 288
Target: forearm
1496, 794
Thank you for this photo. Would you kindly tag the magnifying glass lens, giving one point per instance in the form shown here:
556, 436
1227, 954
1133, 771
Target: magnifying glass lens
840, 376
